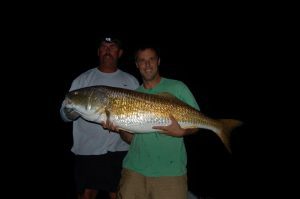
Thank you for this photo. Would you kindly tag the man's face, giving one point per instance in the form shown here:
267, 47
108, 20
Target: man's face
147, 62
109, 52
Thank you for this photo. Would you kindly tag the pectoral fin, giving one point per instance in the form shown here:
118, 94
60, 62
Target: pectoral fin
107, 116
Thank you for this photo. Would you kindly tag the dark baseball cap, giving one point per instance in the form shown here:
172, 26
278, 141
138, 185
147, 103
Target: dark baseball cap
111, 39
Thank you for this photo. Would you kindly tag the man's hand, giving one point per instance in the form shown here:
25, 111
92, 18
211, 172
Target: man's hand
110, 126
174, 129
126, 136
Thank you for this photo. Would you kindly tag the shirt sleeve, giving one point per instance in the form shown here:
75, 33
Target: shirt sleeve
187, 96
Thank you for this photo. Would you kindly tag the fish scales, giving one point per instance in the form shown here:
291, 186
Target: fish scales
138, 112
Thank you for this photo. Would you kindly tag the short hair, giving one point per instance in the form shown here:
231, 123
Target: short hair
147, 46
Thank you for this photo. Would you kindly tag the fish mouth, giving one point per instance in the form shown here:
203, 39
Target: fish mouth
68, 102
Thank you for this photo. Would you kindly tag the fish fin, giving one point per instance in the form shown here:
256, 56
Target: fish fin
169, 95
166, 94
228, 125
107, 115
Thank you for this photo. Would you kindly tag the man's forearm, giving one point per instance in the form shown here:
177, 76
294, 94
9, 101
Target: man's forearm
190, 131
126, 136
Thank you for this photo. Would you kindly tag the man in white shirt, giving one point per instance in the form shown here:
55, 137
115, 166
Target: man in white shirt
99, 153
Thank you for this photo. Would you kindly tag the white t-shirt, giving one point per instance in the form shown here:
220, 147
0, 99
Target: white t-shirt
90, 138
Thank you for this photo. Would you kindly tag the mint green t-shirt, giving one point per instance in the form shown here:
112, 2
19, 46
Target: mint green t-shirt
157, 154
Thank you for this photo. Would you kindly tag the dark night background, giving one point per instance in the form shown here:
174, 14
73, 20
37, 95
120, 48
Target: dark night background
216, 65
220, 58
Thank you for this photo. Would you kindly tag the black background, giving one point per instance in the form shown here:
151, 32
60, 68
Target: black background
221, 56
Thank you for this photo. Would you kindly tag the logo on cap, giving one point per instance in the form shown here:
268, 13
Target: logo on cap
108, 39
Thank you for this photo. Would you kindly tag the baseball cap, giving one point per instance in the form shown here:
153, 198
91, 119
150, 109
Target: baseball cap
111, 39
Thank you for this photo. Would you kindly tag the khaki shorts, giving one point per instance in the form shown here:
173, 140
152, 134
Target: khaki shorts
136, 186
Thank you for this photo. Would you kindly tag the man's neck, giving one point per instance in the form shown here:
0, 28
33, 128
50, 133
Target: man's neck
107, 69
151, 83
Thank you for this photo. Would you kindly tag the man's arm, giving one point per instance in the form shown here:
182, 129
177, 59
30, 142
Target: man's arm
174, 129
126, 136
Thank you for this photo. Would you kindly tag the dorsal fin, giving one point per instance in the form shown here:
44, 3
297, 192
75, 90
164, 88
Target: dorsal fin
168, 96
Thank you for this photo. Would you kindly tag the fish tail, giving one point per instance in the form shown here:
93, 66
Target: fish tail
228, 125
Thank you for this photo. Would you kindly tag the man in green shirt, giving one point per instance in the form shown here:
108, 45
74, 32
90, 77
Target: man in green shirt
155, 165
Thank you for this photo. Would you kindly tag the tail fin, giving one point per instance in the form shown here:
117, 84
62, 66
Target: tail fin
227, 127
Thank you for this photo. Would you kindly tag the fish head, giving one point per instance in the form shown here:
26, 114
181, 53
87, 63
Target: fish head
89, 102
